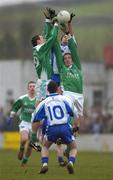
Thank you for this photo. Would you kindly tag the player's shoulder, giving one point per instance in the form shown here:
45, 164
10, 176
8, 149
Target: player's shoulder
40, 106
67, 100
37, 48
65, 97
24, 96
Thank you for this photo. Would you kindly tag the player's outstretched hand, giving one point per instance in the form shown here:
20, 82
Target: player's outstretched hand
49, 13
46, 13
71, 17
52, 13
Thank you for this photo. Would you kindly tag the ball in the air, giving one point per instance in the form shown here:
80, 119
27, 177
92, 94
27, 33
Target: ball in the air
63, 16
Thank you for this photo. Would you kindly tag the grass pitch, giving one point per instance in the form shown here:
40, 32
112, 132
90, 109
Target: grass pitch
89, 166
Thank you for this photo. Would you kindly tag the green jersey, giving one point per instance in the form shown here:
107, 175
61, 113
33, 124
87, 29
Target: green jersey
26, 106
71, 77
42, 55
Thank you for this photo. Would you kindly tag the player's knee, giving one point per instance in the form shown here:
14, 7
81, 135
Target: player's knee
73, 145
24, 138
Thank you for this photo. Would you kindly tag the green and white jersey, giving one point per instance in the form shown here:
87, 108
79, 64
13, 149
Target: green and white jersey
26, 105
42, 55
71, 77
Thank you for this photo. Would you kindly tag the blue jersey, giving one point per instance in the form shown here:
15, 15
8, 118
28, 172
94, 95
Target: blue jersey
56, 109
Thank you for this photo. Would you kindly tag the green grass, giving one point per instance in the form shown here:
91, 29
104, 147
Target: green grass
89, 166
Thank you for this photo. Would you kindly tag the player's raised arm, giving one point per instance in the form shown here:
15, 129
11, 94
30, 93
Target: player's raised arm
73, 46
47, 28
53, 36
58, 53
49, 15
43, 46
69, 24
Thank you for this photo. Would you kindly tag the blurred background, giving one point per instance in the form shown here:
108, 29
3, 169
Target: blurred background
93, 29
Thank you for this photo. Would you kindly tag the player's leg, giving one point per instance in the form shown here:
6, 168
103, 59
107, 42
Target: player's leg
26, 155
69, 139
60, 153
72, 157
51, 137
66, 152
28, 147
23, 139
41, 90
25, 129
44, 157
59, 148
78, 101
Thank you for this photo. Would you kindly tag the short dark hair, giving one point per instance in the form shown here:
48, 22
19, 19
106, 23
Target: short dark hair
34, 40
67, 53
52, 87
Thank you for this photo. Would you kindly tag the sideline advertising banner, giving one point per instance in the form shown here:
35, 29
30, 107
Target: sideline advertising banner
11, 140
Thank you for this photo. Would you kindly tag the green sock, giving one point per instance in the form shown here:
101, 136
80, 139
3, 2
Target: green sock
34, 137
24, 160
66, 152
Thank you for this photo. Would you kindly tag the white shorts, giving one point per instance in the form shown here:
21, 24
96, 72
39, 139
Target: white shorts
41, 89
25, 126
77, 99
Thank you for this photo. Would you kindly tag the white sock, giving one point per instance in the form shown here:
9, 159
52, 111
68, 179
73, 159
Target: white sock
45, 164
71, 162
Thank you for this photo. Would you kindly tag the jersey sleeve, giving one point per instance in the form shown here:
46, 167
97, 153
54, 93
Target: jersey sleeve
47, 29
16, 106
74, 53
49, 43
39, 113
71, 109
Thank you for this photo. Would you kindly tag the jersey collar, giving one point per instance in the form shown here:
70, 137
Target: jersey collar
52, 94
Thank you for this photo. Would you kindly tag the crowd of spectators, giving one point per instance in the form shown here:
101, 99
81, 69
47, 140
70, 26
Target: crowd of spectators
97, 121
